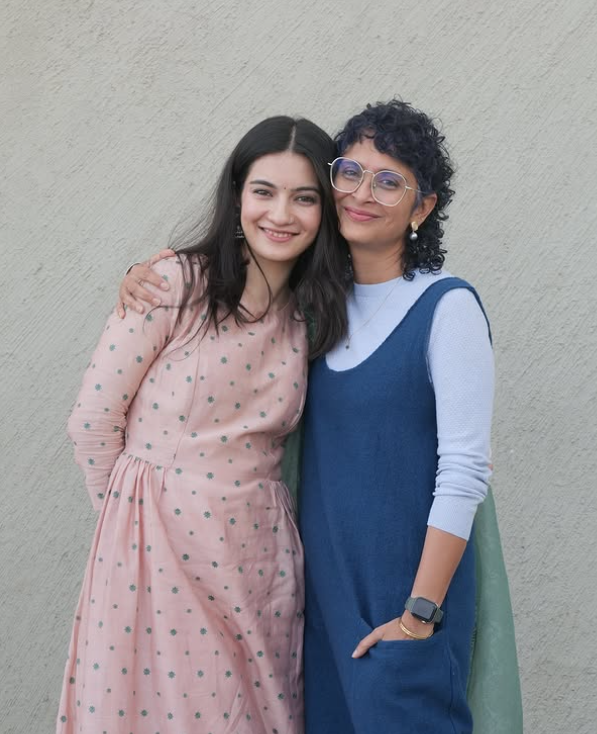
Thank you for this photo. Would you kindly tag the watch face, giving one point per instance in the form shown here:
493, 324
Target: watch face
423, 609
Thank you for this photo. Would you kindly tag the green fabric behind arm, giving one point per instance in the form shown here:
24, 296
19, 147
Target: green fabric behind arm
494, 686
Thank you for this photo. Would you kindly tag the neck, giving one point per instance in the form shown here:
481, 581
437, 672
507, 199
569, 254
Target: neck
256, 295
370, 265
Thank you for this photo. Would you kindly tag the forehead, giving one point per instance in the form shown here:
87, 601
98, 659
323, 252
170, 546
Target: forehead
369, 157
287, 169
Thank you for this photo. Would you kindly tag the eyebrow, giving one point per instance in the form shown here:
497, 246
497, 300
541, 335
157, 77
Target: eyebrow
379, 170
263, 182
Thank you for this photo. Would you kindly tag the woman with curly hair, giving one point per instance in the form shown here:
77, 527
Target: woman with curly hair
396, 456
396, 461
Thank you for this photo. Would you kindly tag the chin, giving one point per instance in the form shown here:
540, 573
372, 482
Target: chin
354, 233
277, 256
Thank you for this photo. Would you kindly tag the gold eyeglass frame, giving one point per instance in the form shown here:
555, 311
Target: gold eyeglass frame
373, 175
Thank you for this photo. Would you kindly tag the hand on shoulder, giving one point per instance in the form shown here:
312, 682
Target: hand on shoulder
148, 283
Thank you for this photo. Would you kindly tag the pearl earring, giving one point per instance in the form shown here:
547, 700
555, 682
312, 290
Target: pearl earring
413, 236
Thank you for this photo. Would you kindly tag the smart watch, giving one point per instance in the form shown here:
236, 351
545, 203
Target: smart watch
423, 609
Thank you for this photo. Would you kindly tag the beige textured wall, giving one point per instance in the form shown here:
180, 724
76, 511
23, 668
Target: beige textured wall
115, 118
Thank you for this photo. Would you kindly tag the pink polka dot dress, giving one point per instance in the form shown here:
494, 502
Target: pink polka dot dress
190, 616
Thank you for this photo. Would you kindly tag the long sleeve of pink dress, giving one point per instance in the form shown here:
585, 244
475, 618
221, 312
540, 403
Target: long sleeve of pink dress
126, 350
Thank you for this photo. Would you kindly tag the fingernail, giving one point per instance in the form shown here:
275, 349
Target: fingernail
354, 654
156, 301
139, 309
164, 286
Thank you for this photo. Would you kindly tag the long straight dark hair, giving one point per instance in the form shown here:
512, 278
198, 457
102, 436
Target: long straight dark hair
318, 278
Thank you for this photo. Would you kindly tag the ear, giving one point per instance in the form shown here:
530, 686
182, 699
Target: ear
424, 208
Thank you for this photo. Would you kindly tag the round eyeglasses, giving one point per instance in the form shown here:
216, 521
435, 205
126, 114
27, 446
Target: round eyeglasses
387, 187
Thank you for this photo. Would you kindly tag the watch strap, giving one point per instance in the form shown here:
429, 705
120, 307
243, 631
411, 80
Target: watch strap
410, 605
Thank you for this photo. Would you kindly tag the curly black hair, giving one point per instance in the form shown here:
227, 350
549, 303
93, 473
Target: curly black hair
410, 136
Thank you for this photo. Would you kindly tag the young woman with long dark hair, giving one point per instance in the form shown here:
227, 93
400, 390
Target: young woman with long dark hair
191, 613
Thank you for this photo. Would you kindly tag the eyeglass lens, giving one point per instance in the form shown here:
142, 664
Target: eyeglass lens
387, 187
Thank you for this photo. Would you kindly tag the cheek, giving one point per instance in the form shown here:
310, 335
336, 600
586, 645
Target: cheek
338, 196
249, 213
398, 221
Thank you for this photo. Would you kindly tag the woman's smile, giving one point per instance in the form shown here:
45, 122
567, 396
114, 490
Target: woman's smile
360, 215
277, 235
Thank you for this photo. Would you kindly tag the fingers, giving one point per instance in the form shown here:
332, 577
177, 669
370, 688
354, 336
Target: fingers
137, 294
372, 639
143, 273
132, 292
162, 254
126, 299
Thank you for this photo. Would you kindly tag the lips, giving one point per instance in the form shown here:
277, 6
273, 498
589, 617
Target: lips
277, 235
359, 215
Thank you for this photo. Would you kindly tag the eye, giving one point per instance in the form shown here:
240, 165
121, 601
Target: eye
349, 171
389, 181
346, 168
262, 192
308, 199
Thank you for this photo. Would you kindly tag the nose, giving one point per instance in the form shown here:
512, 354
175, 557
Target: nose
280, 213
364, 192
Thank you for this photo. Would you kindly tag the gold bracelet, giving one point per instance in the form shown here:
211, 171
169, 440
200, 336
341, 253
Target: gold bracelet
413, 634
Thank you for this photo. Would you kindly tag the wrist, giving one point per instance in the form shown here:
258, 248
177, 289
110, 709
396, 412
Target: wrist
424, 609
416, 625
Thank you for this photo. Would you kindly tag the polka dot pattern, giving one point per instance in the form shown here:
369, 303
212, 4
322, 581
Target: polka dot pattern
190, 616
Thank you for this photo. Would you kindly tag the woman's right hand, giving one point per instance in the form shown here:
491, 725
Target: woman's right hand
132, 294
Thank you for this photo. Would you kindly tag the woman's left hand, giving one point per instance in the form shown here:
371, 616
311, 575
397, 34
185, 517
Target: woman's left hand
132, 294
388, 631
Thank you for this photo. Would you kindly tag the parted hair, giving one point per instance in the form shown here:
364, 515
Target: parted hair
318, 279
